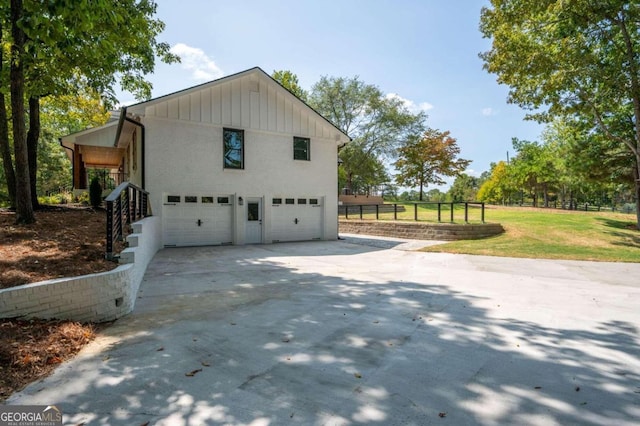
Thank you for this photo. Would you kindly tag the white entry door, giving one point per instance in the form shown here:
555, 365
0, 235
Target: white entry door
253, 230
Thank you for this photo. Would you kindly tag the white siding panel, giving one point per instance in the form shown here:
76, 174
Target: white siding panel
195, 107
288, 117
246, 106
272, 111
280, 112
255, 110
184, 107
304, 124
174, 109
205, 105
225, 104
161, 110
264, 107
296, 121
216, 105
236, 103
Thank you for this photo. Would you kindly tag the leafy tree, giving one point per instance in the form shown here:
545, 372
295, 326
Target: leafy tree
376, 123
436, 195
290, 82
498, 188
62, 115
464, 188
424, 159
534, 169
55, 45
571, 58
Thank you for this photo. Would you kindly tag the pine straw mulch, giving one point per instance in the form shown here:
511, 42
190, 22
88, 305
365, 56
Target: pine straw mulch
32, 349
64, 242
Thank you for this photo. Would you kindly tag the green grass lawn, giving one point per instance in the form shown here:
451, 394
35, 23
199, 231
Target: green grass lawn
555, 234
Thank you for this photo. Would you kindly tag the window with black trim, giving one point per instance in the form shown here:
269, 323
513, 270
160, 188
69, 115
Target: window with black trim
233, 140
223, 200
302, 201
207, 200
190, 199
173, 198
276, 201
301, 148
289, 201
313, 201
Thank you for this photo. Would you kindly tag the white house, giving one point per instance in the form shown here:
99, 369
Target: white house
238, 160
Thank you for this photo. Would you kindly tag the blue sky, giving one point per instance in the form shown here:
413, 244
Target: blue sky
425, 51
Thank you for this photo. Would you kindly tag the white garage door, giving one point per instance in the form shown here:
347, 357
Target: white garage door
197, 220
296, 219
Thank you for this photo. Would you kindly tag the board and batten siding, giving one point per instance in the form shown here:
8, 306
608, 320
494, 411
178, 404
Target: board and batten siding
256, 104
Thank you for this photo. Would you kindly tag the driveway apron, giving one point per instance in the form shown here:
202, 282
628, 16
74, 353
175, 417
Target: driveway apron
361, 331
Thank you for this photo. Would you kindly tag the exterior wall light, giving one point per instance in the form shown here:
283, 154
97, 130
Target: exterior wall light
240, 201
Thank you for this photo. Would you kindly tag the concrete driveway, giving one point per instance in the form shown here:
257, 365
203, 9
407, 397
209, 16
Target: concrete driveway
361, 332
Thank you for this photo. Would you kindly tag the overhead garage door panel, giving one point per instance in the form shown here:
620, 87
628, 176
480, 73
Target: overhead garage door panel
193, 220
299, 220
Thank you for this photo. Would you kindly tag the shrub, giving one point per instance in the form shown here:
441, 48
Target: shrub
83, 198
95, 193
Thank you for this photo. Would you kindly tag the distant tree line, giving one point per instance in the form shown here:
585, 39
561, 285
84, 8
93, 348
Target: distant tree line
383, 130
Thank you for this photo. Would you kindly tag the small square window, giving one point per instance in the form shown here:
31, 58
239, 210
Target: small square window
302, 201
173, 198
290, 201
313, 201
223, 200
233, 148
276, 201
190, 199
207, 200
301, 148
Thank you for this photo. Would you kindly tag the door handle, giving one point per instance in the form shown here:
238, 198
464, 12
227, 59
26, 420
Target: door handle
199, 222
296, 221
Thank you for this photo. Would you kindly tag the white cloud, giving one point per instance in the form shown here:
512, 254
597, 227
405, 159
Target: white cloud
193, 59
409, 104
488, 112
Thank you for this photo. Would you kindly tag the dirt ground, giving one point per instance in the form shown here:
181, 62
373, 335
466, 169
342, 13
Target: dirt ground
64, 242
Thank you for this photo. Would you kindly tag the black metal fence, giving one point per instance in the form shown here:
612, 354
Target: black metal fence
427, 211
126, 204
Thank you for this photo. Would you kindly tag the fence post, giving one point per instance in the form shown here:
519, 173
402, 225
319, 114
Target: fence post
377, 211
360, 211
466, 212
109, 255
415, 211
346, 211
451, 212
134, 205
395, 212
439, 212
482, 212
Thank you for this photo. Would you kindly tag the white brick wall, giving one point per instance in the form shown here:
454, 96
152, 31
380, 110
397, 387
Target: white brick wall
89, 297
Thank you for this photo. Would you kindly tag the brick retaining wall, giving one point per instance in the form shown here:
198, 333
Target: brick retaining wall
421, 230
95, 297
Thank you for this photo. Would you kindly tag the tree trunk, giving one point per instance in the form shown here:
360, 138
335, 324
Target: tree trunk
32, 147
5, 150
637, 190
545, 189
24, 209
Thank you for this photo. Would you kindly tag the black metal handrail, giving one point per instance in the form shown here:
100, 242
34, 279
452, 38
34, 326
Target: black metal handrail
126, 204
376, 208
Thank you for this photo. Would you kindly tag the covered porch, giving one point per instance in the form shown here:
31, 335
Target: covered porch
109, 152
